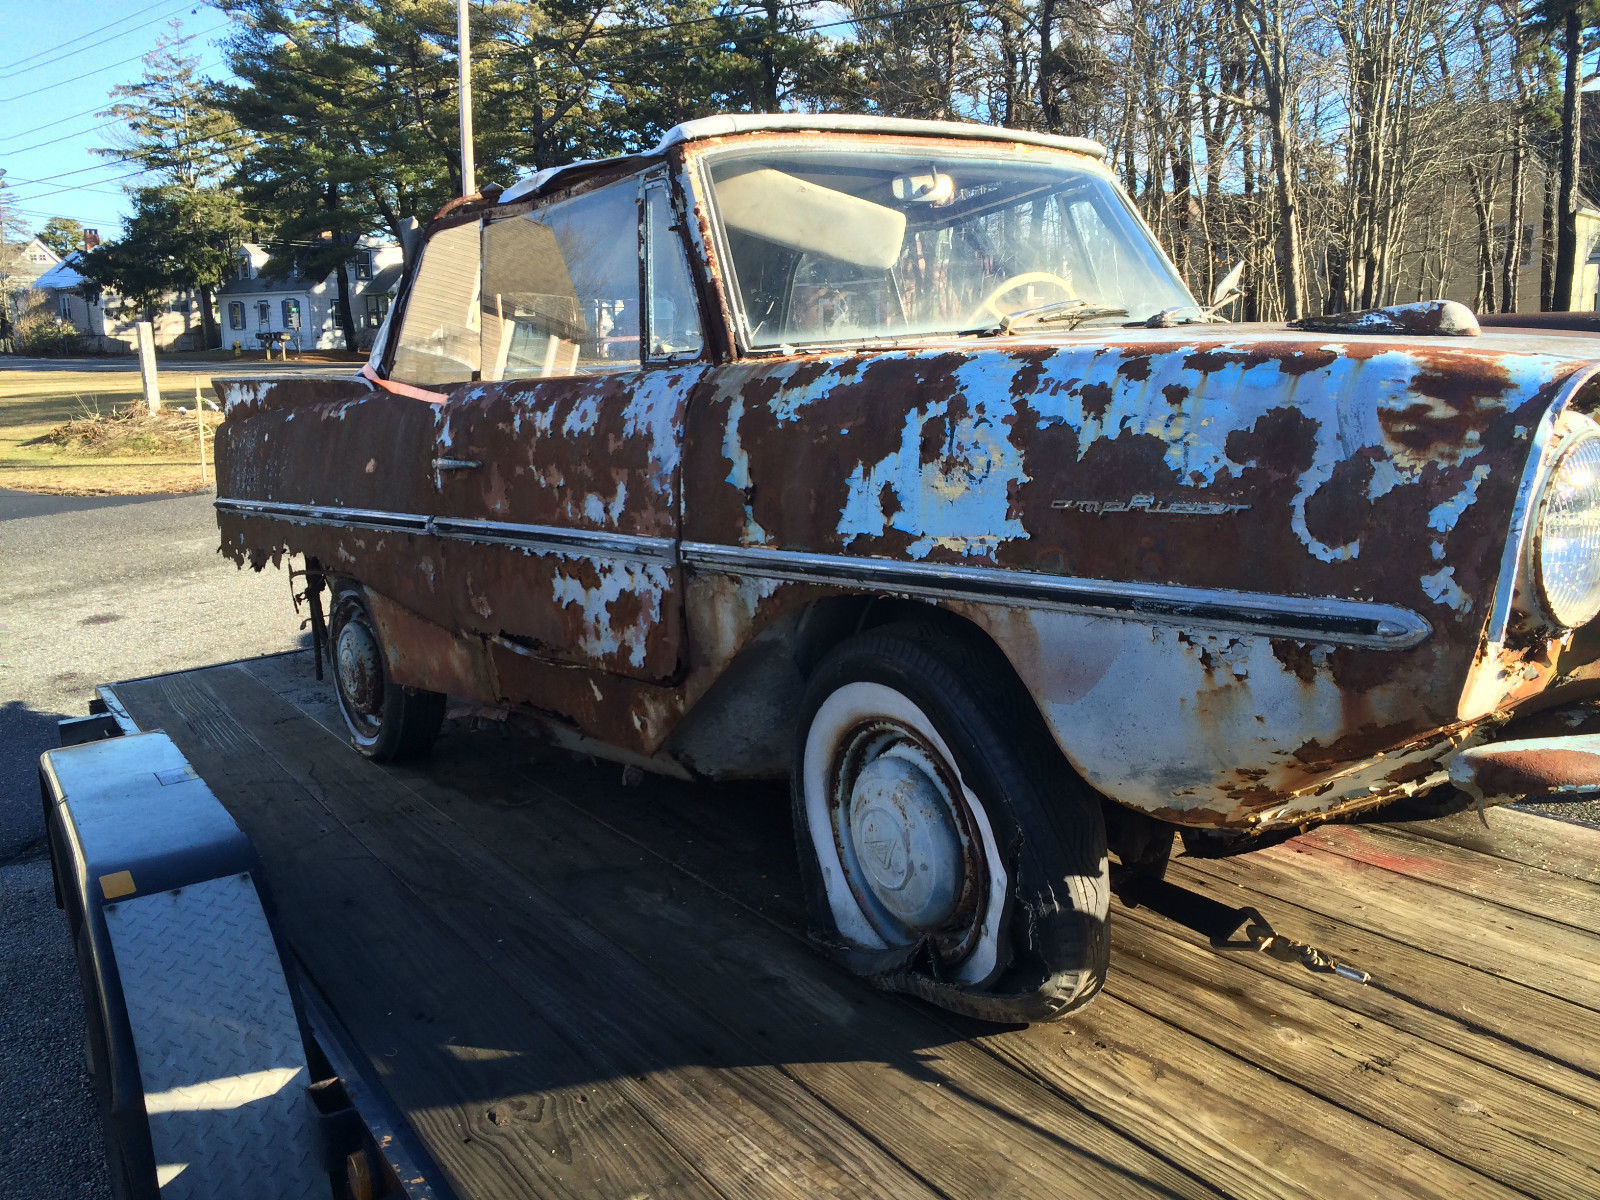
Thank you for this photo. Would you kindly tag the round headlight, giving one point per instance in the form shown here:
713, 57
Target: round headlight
1569, 535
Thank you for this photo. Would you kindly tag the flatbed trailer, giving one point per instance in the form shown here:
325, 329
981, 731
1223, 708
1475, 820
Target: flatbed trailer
560, 980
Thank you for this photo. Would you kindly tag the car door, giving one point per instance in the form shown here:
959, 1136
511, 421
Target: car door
557, 474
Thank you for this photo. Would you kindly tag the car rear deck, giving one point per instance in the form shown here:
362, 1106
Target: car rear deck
570, 987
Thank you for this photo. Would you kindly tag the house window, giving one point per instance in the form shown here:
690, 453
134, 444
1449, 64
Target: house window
235, 314
66, 308
264, 314
291, 314
364, 265
180, 304
244, 267
377, 309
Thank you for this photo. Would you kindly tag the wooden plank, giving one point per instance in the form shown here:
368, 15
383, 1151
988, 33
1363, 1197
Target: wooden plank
1539, 893
704, 829
1505, 1127
1548, 957
501, 1101
1526, 1022
1517, 1013
1548, 843
745, 1126
1252, 1133
952, 1113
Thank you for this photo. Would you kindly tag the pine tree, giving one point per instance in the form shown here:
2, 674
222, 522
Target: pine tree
187, 222
61, 234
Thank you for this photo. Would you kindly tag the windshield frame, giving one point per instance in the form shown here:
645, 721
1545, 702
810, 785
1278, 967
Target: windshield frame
725, 278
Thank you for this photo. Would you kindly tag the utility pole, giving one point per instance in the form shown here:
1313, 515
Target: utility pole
464, 54
5, 268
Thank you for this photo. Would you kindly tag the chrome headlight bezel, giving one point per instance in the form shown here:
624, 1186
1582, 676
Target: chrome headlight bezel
1564, 552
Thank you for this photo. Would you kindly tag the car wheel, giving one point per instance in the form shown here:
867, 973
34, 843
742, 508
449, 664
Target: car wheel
386, 721
948, 850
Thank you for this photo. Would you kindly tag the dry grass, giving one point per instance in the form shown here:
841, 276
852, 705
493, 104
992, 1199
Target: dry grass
83, 432
132, 431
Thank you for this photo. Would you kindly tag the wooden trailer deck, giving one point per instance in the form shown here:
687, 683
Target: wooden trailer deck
575, 988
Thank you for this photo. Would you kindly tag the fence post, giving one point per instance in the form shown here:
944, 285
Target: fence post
200, 421
147, 366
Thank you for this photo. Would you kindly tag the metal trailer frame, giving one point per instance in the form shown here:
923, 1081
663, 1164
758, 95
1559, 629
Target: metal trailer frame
217, 1071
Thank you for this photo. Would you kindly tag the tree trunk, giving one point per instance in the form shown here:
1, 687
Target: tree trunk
1291, 268
1049, 104
1547, 247
1511, 257
347, 323
1567, 202
209, 333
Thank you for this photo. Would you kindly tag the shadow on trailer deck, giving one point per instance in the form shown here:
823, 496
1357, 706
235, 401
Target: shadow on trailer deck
572, 987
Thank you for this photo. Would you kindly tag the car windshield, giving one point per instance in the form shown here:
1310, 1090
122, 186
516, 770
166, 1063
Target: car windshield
847, 244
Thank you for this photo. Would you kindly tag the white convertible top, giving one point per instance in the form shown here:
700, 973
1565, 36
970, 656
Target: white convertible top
731, 123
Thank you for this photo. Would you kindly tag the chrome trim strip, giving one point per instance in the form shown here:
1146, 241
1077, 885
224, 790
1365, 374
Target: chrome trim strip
557, 539
1327, 620
1332, 621
327, 514
540, 538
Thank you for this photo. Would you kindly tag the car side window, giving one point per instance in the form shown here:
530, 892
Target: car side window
674, 315
561, 287
438, 342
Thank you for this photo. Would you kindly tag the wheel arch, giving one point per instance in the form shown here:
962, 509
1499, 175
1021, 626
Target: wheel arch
742, 726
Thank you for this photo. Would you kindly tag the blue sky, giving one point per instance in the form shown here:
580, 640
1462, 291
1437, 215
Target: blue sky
59, 60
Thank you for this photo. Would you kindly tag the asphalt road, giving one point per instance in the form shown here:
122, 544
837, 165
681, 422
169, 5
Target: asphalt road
91, 591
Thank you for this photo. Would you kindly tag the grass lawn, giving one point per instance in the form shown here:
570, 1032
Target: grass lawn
110, 457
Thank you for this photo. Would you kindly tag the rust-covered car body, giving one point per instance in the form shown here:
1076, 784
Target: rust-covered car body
1251, 576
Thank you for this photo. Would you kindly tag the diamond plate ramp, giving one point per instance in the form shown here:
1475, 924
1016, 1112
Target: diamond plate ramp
219, 1049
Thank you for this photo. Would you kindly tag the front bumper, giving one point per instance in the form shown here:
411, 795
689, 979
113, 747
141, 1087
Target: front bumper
1542, 768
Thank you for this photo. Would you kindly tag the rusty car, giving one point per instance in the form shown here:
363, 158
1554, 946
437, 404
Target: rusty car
895, 456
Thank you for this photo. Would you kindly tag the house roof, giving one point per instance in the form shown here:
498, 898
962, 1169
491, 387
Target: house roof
263, 284
62, 277
26, 262
386, 280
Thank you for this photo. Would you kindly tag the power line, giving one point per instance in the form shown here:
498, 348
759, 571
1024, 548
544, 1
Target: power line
302, 130
65, 137
50, 87
45, 214
82, 36
88, 112
50, 62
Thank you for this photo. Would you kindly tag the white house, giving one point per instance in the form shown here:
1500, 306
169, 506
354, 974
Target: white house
21, 263
253, 304
108, 325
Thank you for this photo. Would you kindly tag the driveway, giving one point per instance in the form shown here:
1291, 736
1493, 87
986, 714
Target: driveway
92, 590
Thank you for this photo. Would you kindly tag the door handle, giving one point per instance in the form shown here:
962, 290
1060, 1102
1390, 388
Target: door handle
455, 464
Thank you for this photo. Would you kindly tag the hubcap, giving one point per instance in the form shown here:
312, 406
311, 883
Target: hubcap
360, 669
905, 839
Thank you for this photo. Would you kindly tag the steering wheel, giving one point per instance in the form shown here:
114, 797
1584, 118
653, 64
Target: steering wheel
990, 307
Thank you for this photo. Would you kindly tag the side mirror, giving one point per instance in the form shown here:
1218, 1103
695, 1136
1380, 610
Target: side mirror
1228, 286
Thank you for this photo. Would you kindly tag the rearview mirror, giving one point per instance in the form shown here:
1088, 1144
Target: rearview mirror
933, 188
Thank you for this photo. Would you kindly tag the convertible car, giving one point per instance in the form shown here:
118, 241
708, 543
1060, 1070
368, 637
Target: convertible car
895, 456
